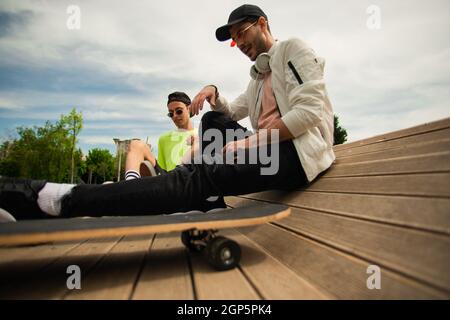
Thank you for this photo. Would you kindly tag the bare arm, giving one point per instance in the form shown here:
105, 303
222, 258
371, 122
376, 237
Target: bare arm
208, 93
261, 138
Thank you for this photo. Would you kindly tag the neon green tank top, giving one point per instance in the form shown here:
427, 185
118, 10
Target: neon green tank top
172, 146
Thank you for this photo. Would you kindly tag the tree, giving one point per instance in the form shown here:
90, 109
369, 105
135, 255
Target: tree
74, 124
340, 134
100, 165
8, 166
41, 152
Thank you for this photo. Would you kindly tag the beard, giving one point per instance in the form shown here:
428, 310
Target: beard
259, 46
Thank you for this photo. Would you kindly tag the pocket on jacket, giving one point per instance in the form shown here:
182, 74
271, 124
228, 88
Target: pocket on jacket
317, 143
306, 67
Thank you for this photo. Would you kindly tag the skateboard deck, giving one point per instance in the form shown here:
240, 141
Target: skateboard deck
198, 229
46, 230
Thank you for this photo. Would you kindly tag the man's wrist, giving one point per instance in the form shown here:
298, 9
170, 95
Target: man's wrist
216, 90
249, 142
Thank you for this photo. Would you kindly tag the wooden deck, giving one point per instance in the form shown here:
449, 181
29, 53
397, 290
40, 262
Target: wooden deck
385, 202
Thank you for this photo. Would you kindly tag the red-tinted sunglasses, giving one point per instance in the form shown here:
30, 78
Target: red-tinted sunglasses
240, 33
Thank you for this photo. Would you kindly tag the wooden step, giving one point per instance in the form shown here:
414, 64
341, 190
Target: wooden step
412, 131
338, 273
423, 213
395, 143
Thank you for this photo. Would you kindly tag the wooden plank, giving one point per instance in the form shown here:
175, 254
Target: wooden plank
51, 282
35, 252
273, 279
410, 149
431, 214
427, 127
428, 163
340, 274
114, 277
220, 285
19, 262
430, 184
396, 143
166, 274
419, 254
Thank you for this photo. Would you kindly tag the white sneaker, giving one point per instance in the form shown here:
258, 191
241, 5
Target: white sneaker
5, 216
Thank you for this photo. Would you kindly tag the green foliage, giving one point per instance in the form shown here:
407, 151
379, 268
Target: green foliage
340, 134
9, 168
41, 152
99, 165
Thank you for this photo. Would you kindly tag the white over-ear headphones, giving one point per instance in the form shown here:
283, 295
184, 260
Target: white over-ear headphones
260, 67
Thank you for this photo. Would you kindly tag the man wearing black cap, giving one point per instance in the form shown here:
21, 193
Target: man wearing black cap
286, 96
286, 93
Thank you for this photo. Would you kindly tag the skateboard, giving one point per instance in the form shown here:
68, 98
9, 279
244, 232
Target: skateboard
198, 229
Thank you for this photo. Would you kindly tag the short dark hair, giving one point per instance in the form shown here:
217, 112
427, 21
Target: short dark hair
180, 97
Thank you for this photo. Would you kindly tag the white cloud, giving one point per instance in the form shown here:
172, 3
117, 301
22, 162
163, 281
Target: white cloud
378, 80
95, 140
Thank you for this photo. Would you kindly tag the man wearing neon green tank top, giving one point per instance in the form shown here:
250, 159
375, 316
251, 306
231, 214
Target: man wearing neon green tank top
172, 145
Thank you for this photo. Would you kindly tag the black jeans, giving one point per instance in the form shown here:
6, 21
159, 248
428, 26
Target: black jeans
187, 186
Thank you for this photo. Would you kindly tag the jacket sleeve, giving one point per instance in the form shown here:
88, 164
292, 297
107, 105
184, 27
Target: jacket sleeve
305, 88
236, 110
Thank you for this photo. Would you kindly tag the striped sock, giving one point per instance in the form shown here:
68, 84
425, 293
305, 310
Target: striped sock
131, 174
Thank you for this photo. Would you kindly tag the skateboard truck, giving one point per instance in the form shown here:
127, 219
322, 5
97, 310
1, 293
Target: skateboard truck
221, 253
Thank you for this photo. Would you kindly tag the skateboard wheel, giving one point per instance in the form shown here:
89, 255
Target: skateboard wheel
223, 253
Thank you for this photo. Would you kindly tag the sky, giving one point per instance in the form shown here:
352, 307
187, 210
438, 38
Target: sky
387, 62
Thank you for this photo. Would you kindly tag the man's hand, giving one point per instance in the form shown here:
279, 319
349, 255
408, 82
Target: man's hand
208, 93
233, 146
191, 140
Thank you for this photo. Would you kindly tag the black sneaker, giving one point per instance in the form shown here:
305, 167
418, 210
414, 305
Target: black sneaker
19, 197
211, 203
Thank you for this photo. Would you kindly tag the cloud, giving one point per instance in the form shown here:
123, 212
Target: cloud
120, 66
96, 140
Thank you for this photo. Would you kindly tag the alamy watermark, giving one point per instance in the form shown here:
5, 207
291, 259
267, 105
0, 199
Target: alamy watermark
263, 148
374, 20
74, 19
374, 280
74, 280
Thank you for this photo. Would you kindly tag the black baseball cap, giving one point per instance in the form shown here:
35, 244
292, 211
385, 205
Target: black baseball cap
238, 15
180, 97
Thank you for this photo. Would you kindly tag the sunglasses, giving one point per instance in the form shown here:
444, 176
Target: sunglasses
240, 33
178, 112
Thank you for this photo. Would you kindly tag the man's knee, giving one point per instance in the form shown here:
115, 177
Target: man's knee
211, 118
136, 145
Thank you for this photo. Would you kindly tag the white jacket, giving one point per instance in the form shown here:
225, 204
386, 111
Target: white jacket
302, 98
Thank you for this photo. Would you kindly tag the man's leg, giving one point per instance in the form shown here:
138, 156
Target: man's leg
187, 187
218, 121
138, 152
183, 189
